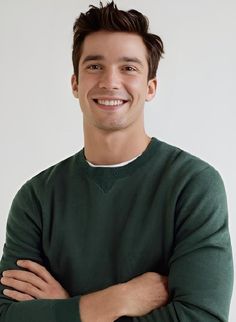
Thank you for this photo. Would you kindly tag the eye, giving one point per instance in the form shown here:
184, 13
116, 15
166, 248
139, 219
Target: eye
94, 67
130, 68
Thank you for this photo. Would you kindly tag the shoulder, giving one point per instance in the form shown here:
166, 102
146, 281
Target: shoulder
55, 175
185, 166
185, 174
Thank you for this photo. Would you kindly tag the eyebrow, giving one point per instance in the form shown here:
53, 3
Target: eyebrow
122, 59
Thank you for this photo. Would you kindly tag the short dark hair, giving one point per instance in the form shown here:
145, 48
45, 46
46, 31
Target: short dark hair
110, 18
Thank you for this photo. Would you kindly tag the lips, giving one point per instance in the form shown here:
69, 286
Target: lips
109, 104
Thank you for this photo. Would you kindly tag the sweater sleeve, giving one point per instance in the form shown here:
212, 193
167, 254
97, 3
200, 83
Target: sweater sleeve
23, 241
201, 266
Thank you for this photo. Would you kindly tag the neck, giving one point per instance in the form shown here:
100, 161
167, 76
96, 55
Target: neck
102, 147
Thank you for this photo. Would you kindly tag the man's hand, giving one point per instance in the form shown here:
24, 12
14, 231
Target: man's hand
145, 293
36, 283
137, 297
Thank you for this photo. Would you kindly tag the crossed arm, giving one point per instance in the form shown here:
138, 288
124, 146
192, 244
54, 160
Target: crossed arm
136, 297
200, 276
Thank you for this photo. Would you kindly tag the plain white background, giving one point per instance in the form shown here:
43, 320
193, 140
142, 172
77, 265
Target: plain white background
194, 109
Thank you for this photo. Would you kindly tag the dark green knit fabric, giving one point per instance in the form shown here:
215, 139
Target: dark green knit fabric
93, 227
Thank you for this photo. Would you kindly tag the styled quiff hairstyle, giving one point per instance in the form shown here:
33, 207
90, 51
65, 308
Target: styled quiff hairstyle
110, 18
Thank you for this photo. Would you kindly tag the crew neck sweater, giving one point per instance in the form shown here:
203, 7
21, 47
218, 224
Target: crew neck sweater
121, 164
93, 227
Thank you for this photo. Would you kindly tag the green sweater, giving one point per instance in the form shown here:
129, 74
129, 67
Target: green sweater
93, 227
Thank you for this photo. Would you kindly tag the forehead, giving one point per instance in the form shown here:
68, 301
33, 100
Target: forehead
113, 45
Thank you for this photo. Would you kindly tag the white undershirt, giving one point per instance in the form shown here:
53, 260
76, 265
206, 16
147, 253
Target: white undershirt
112, 165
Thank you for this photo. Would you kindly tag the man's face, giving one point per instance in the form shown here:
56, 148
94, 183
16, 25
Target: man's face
112, 82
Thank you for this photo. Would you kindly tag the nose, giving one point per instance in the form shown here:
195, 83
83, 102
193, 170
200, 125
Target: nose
110, 79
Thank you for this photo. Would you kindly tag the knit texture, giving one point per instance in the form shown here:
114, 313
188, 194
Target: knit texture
93, 227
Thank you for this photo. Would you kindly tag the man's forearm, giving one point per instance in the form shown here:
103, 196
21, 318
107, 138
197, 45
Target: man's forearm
137, 297
106, 305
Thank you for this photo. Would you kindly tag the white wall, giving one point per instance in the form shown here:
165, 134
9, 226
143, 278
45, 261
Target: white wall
41, 123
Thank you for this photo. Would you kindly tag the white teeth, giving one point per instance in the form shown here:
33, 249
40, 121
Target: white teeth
110, 102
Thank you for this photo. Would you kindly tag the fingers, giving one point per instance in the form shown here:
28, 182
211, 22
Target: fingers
17, 295
23, 287
36, 268
25, 276
33, 282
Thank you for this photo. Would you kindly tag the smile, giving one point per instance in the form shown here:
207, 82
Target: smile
109, 102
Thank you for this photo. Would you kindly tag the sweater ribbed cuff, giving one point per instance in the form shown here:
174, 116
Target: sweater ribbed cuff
67, 310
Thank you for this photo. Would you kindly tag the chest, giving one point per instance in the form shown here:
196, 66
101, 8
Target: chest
99, 240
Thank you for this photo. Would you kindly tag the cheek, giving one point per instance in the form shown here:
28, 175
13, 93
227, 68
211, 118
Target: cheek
87, 83
138, 87
84, 86
137, 82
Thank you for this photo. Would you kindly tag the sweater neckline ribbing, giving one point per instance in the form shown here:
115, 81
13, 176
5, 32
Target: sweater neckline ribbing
118, 172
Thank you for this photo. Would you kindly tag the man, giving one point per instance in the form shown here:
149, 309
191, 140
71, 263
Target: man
129, 228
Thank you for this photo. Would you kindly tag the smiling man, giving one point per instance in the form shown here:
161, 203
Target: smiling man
129, 228
112, 88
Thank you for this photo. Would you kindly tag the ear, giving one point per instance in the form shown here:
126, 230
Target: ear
74, 86
151, 89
